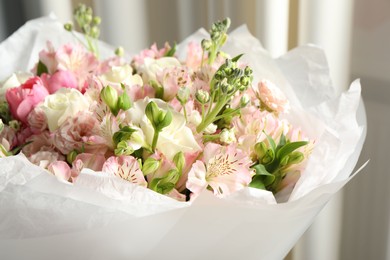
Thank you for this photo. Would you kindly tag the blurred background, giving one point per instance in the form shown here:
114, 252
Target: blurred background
355, 35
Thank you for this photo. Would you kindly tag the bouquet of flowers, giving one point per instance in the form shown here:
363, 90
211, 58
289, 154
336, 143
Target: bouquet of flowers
210, 148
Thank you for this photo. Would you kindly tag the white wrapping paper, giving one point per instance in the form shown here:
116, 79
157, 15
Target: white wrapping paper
104, 217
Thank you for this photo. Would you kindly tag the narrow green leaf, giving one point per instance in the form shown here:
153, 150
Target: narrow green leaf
41, 68
289, 148
235, 59
171, 51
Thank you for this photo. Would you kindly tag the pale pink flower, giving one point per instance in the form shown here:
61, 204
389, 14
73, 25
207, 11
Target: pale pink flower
37, 120
137, 92
91, 161
225, 169
48, 57
194, 55
64, 172
153, 52
23, 99
60, 79
41, 141
172, 79
272, 97
4, 148
107, 64
126, 167
81, 131
174, 194
76, 58
45, 157
9, 134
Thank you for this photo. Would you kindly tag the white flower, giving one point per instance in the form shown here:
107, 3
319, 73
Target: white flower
15, 80
172, 139
63, 104
152, 67
227, 136
121, 74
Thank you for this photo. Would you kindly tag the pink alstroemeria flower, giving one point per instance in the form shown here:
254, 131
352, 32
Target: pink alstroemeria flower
126, 167
64, 172
224, 168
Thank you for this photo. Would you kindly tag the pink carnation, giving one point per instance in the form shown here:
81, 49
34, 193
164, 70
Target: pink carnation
23, 99
272, 97
37, 120
81, 131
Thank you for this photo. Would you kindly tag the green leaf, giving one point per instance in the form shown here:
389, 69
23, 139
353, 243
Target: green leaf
123, 134
171, 51
266, 177
257, 183
235, 59
271, 142
289, 148
41, 68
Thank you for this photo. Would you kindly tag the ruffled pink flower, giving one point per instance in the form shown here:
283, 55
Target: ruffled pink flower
45, 157
107, 64
126, 167
81, 131
37, 120
64, 172
60, 79
39, 142
172, 79
225, 169
23, 99
272, 97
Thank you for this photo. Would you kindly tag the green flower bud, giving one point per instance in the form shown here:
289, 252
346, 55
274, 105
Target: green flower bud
158, 117
124, 102
68, 26
70, 157
296, 157
123, 149
110, 96
150, 166
206, 44
1, 125
202, 96
260, 150
95, 32
88, 18
183, 94
179, 161
96, 20
244, 101
14, 124
226, 22
119, 51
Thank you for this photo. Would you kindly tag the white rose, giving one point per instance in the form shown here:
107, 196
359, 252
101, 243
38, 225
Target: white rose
15, 80
152, 67
63, 104
122, 74
172, 139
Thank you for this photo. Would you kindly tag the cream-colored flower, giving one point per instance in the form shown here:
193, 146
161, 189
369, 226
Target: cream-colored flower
153, 67
63, 104
121, 74
172, 139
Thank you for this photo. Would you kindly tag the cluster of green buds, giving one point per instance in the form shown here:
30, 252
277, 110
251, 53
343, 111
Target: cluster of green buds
159, 119
227, 81
167, 183
274, 161
88, 24
115, 102
218, 37
129, 140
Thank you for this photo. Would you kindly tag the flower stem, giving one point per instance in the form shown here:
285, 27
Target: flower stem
155, 139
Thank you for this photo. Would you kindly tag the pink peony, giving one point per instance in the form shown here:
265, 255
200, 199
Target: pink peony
79, 132
272, 97
23, 99
223, 168
126, 167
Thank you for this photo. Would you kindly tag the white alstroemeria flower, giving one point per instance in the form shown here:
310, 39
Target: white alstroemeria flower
172, 139
152, 67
